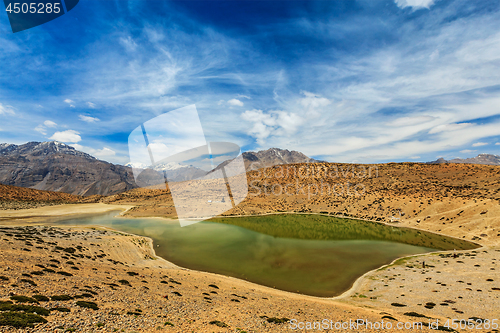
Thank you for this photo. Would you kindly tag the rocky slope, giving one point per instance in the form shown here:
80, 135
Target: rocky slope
55, 166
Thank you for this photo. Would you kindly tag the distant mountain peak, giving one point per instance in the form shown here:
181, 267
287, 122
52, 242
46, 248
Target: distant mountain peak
173, 170
483, 158
270, 157
40, 148
274, 156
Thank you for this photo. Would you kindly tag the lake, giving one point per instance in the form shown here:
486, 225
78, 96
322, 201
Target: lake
308, 254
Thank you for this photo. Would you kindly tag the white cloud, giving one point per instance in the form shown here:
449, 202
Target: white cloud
128, 43
70, 102
66, 136
409, 121
415, 4
79, 147
104, 152
232, 102
414, 157
497, 144
91, 105
448, 127
235, 102
88, 119
41, 129
49, 123
312, 103
467, 151
274, 123
479, 144
243, 96
154, 35
6, 109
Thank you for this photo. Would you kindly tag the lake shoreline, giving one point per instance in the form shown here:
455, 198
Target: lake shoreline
84, 210
356, 302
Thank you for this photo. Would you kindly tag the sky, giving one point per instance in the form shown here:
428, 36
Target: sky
343, 81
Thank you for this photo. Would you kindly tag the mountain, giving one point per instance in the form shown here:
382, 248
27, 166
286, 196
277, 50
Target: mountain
488, 159
55, 166
270, 157
273, 156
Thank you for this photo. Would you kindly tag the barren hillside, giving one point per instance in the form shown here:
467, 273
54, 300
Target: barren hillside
461, 200
14, 197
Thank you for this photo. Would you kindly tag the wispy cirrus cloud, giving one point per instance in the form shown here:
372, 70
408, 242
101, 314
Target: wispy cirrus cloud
6, 110
479, 144
372, 83
467, 151
415, 4
88, 119
104, 152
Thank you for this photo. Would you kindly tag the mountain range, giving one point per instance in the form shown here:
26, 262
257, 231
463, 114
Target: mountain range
488, 159
55, 166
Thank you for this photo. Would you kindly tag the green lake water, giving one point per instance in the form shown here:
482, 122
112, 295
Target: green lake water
309, 254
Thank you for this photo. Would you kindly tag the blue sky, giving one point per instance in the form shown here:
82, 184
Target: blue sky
344, 81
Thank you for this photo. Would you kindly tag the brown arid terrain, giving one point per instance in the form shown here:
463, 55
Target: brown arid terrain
456, 285
16, 198
458, 200
97, 280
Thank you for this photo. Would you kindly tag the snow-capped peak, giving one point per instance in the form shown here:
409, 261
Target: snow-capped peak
158, 167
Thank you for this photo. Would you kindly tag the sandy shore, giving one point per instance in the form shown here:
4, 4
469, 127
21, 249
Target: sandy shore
135, 291
166, 294
41, 213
